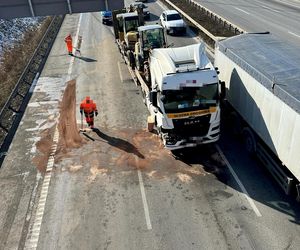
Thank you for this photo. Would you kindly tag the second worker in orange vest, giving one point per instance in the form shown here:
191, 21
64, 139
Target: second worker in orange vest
89, 108
69, 42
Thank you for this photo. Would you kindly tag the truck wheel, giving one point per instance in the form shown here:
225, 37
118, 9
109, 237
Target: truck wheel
131, 59
147, 73
249, 141
139, 63
235, 123
144, 97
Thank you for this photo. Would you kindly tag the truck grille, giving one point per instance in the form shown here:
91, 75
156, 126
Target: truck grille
197, 126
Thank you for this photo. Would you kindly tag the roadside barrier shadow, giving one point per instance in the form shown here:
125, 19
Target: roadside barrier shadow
86, 59
119, 143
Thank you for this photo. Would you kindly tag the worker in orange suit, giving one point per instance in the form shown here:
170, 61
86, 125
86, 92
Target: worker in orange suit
69, 42
89, 108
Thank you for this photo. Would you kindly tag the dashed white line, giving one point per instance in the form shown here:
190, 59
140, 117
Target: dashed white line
145, 204
34, 234
242, 10
144, 199
246, 194
292, 33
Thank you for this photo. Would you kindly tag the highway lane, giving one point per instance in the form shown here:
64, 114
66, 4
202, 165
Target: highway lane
282, 18
124, 191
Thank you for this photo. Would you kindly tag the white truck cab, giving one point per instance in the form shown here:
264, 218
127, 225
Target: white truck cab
184, 96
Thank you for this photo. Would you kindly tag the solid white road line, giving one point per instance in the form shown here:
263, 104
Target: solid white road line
242, 10
252, 204
146, 209
34, 234
120, 72
292, 33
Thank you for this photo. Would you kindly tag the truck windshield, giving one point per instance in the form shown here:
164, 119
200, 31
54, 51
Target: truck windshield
153, 38
189, 98
131, 25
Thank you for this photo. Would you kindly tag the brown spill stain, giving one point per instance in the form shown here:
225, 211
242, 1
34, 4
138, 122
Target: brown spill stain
43, 150
121, 151
95, 171
74, 168
68, 131
184, 177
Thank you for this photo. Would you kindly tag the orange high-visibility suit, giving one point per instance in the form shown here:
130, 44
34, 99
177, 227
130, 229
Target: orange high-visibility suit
69, 42
89, 108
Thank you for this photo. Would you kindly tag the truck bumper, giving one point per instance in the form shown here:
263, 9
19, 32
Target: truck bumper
190, 142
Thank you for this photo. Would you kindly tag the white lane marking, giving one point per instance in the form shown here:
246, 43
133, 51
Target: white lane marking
34, 233
146, 209
120, 72
75, 42
268, 8
292, 33
255, 209
242, 10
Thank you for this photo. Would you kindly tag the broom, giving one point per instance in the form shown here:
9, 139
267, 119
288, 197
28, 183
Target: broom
81, 129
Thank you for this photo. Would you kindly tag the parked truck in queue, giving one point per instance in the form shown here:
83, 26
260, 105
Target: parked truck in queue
184, 96
180, 85
262, 76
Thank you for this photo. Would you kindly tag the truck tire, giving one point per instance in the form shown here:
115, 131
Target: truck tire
144, 97
139, 63
131, 59
147, 73
249, 140
235, 123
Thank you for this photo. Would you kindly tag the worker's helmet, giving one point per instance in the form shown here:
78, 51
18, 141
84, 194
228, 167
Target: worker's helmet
88, 99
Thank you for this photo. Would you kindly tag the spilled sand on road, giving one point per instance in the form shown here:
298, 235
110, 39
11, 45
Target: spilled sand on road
68, 131
43, 149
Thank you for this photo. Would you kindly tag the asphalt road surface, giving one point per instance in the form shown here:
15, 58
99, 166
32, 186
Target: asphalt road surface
117, 187
281, 18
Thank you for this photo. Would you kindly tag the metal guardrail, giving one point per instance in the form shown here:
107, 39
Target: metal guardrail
217, 18
13, 110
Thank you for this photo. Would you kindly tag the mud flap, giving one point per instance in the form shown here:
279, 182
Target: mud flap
298, 192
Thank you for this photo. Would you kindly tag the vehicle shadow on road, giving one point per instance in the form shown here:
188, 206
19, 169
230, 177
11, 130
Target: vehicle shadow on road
86, 59
119, 143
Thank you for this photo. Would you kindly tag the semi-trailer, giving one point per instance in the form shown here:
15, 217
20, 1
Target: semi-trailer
262, 79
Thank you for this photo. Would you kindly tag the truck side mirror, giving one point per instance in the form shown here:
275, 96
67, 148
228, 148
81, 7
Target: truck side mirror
153, 98
223, 90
